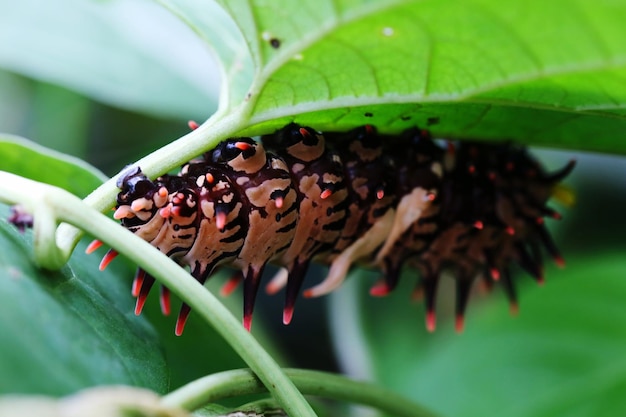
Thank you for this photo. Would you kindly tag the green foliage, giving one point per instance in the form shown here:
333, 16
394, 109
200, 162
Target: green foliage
94, 47
560, 356
70, 329
23, 157
541, 73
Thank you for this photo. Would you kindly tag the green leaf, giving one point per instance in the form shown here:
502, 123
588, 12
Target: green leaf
543, 74
23, 157
563, 354
218, 31
130, 54
525, 70
67, 330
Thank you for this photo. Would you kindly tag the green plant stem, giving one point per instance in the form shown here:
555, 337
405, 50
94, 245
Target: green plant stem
51, 205
243, 381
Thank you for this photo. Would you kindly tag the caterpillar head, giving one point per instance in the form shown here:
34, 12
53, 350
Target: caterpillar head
139, 198
133, 184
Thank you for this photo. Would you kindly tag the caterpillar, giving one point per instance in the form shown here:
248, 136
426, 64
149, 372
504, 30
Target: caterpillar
387, 202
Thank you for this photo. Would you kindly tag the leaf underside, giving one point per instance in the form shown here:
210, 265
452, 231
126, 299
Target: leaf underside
546, 74
542, 74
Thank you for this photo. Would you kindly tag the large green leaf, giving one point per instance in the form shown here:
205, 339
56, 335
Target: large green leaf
546, 74
71, 329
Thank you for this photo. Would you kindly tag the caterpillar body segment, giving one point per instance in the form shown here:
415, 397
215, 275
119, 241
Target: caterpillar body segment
264, 183
322, 196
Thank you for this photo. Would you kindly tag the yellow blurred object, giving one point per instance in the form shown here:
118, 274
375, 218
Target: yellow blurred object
564, 195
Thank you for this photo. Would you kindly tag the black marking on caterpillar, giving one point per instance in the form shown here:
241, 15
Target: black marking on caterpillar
345, 198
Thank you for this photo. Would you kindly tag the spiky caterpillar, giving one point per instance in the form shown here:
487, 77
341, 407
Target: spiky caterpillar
380, 201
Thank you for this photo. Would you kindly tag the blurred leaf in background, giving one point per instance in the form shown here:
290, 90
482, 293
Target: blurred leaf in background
562, 356
131, 75
132, 54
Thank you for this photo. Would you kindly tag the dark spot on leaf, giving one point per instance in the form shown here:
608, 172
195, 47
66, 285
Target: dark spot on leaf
368, 114
20, 218
432, 121
275, 43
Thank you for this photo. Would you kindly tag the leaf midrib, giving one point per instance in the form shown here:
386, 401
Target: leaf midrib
472, 97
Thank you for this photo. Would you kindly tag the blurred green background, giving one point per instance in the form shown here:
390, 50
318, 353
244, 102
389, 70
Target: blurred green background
121, 78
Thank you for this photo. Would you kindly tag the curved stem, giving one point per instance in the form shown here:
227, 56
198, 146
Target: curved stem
243, 381
54, 204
